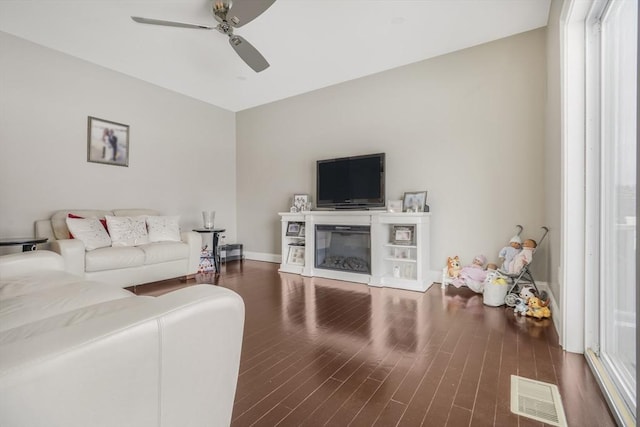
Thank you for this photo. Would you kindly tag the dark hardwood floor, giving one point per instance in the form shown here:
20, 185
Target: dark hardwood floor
324, 352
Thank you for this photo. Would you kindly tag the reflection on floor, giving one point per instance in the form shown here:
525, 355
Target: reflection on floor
325, 352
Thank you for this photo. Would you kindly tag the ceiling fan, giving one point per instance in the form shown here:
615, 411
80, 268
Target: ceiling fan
230, 14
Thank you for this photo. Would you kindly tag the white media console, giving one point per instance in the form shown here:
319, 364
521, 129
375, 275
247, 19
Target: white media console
378, 248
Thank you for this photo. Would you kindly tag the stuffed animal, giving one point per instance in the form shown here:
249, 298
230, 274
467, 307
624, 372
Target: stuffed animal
521, 307
536, 309
527, 292
453, 266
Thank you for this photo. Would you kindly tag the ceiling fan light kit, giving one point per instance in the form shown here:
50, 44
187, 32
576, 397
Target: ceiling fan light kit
245, 11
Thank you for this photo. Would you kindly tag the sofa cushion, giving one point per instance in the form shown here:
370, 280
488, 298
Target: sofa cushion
89, 231
35, 281
71, 317
127, 230
59, 224
35, 306
158, 252
113, 258
163, 228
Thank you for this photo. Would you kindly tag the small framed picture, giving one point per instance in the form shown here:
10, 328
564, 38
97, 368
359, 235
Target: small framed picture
414, 201
107, 142
402, 234
408, 271
296, 255
402, 253
293, 228
300, 202
394, 205
301, 232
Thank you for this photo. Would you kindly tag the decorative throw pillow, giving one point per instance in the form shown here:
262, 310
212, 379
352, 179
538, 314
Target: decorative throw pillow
89, 231
103, 221
163, 228
127, 230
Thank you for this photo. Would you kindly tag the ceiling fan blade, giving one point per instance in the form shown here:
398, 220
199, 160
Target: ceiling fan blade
170, 23
248, 53
244, 11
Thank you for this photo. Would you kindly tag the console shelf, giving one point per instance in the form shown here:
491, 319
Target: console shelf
293, 244
398, 247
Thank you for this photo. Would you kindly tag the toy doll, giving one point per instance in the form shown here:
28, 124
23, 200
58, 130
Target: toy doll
473, 275
507, 253
523, 257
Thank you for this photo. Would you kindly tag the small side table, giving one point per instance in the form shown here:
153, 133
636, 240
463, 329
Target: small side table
232, 252
214, 249
28, 243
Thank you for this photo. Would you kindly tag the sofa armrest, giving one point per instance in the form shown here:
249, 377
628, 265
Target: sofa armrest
177, 363
194, 240
72, 251
29, 262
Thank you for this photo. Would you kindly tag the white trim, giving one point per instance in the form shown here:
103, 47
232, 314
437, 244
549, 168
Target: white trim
261, 256
553, 305
616, 402
592, 173
572, 256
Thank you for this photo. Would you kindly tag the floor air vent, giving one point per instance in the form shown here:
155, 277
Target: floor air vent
537, 400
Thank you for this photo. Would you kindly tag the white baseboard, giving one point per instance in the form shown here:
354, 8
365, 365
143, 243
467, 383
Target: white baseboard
556, 313
261, 256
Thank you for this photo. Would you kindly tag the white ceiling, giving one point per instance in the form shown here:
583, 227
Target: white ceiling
310, 44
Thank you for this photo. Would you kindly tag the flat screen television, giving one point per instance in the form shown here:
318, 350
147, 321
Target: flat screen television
351, 182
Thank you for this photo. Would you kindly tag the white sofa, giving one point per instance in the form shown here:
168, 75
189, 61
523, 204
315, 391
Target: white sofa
121, 266
77, 353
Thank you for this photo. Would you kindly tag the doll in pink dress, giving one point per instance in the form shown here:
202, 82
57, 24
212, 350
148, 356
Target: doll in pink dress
524, 257
473, 275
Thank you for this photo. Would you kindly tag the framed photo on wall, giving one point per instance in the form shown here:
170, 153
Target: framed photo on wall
107, 142
414, 201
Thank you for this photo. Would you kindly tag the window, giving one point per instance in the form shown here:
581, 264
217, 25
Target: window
618, 80
611, 101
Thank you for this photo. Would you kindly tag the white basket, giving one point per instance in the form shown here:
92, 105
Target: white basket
494, 293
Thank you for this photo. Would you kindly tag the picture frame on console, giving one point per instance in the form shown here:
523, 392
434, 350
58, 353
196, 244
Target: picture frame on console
293, 229
402, 234
107, 142
394, 205
296, 255
300, 202
401, 253
414, 201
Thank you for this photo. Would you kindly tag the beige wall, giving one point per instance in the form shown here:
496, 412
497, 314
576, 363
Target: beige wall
469, 127
552, 158
182, 151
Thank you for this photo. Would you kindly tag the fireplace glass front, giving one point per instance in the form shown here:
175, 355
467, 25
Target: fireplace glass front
343, 248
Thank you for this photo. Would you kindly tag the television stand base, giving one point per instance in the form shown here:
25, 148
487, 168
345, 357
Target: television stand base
396, 251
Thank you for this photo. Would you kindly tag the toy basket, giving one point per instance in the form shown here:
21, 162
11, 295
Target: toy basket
495, 290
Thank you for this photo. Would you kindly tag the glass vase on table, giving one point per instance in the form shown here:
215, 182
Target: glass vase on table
208, 218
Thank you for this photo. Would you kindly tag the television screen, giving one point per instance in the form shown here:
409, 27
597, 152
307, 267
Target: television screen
351, 182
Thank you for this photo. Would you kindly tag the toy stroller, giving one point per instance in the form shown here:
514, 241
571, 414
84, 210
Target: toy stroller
523, 276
